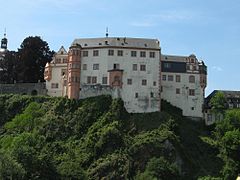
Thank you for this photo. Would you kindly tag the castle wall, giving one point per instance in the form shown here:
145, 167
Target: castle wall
24, 88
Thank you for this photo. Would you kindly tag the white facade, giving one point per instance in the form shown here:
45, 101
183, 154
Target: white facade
137, 59
132, 69
58, 67
183, 84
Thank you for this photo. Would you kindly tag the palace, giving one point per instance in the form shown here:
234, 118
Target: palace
132, 69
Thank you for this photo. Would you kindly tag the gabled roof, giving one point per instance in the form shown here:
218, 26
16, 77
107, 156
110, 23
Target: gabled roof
62, 50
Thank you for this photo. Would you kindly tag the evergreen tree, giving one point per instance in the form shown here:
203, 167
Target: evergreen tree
34, 53
8, 66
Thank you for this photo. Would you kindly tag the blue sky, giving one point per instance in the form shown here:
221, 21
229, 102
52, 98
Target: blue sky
208, 28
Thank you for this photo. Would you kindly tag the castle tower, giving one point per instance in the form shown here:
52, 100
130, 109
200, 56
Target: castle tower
4, 42
203, 74
74, 70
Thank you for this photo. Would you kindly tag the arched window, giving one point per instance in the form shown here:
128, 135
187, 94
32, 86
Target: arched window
34, 92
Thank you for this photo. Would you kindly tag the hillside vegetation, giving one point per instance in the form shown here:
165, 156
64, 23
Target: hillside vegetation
95, 138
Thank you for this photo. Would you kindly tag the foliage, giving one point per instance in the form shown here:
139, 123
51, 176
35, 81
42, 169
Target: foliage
27, 64
8, 66
218, 102
209, 178
162, 169
113, 166
95, 138
226, 138
34, 53
10, 168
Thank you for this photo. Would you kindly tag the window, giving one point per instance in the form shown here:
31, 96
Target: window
192, 79
58, 60
151, 94
142, 54
104, 80
194, 68
84, 66
116, 78
134, 67
142, 67
191, 92
188, 67
64, 72
85, 53
94, 79
170, 77
144, 82
209, 117
75, 65
152, 54
89, 78
76, 79
54, 85
95, 53
136, 95
116, 66
129, 81
134, 53
164, 77
167, 65
120, 53
65, 83
202, 79
95, 66
65, 60
154, 83
178, 78
177, 91
110, 52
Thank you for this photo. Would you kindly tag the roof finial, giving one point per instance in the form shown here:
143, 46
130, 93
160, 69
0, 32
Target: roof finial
107, 32
5, 33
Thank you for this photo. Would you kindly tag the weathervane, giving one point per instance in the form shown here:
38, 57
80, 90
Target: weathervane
107, 32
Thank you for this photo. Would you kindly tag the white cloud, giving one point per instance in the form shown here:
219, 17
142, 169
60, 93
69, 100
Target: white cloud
171, 16
142, 24
217, 68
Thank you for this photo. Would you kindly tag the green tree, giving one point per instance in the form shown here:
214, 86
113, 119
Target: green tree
10, 168
162, 169
71, 170
218, 102
8, 66
226, 138
34, 53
